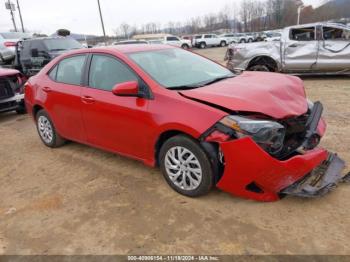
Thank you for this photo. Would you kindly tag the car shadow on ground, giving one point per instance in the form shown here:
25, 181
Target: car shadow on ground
8, 116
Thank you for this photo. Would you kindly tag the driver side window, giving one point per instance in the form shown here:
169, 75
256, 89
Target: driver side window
303, 34
106, 72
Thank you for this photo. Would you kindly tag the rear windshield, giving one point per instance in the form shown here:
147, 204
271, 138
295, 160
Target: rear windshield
61, 44
15, 35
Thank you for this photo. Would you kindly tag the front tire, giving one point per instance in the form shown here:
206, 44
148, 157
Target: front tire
202, 45
223, 44
186, 167
47, 131
262, 68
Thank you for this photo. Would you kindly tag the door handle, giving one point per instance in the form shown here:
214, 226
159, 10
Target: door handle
46, 89
87, 99
293, 45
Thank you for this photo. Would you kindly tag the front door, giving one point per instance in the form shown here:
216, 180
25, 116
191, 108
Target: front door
300, 50
113, 122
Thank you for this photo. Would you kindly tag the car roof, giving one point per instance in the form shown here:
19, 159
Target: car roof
133, 48
319, 24
48, 38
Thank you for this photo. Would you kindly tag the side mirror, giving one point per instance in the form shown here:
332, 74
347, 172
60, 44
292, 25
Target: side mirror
127, 89
34, 52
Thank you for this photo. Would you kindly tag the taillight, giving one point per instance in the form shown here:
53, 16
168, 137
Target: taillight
9, 44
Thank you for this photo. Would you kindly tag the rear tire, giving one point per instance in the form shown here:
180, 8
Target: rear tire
242, 41
21, 110
186, 167
223, 44
47, 131
250, 40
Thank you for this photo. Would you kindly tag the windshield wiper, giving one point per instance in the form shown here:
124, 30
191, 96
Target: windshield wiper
215, 80
184, 87
212, 81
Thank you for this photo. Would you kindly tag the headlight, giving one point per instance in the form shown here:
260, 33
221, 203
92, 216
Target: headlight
268, 134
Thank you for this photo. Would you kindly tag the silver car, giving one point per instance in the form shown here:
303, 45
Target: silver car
8, 41
320, 48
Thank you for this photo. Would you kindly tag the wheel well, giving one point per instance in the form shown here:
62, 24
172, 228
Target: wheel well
164, 137
264, 60
211, 149
36, 109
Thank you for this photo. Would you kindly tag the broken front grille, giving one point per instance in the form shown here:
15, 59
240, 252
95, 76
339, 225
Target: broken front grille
295, 135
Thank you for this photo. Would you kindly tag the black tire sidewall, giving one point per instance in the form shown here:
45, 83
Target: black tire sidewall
207, 170
266, 69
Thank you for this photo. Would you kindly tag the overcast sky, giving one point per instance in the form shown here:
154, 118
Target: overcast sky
81, 16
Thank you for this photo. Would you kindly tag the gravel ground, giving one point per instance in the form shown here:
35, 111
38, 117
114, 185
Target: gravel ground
81, 200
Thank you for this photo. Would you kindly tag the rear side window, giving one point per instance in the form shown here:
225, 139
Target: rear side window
303, 34
172, 38
207, 36
332, 33
106, 72
70, 70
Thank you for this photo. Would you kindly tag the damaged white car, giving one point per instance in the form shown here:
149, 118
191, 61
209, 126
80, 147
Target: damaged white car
320, 48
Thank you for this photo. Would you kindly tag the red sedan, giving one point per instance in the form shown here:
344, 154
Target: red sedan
254, 135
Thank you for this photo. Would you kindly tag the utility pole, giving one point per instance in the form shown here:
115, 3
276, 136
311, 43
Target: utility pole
12, 8
20, 16
103, 26
301, 6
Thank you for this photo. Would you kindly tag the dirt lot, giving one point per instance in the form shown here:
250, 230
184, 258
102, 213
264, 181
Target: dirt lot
80, 200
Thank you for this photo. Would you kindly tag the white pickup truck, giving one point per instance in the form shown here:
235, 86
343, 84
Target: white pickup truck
320, 48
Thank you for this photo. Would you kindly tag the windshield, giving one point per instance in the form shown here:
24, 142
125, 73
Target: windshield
179, 68
61, 44
15, 35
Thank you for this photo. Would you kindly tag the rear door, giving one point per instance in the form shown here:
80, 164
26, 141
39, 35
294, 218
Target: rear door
300, 50
173, 40
334, 52
208, 39
61, 93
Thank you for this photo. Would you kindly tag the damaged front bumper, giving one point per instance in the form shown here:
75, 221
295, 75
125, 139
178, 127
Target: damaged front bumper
252, 173
321, 180
12, 103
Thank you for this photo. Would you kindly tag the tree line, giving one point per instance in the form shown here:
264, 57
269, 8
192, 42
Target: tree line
248, 16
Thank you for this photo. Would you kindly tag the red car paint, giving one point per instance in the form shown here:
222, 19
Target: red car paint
88, 116
252, 164
276, 95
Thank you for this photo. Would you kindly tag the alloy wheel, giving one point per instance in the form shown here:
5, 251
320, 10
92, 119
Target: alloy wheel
45, 129
183, 168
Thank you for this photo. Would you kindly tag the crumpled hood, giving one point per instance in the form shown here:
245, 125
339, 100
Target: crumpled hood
276, 95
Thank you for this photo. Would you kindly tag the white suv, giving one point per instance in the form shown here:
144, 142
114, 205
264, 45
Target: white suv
172, 40
202, 41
